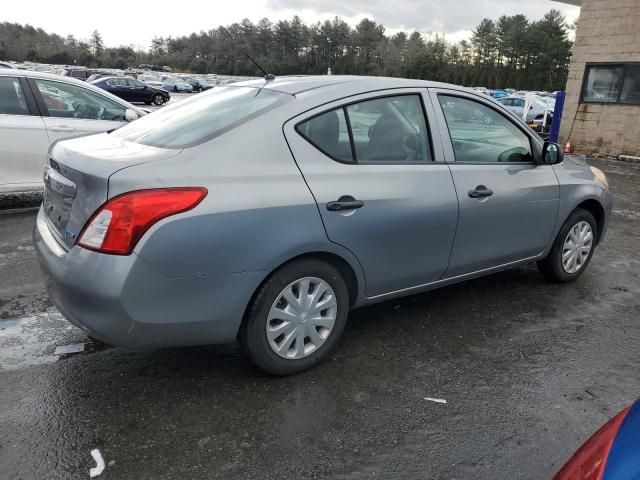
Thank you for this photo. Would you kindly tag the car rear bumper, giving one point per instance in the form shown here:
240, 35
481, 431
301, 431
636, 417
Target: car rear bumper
125, 302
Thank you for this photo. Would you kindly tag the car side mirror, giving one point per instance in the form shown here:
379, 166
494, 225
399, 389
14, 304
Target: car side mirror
552, 153
130, 115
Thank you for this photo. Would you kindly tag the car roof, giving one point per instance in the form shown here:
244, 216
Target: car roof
109, 77
296, 84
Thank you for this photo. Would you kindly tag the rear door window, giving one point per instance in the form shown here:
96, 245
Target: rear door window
12, 101
117, 82
390, 129
381, 130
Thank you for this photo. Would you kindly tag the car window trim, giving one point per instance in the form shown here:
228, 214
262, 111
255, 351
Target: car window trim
352, 142
322, 150
43, 106
533, 142
355, 161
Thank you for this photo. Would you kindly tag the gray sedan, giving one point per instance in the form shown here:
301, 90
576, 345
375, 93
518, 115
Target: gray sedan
265, 210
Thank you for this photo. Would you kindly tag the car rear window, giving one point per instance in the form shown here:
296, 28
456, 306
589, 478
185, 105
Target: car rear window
194, 121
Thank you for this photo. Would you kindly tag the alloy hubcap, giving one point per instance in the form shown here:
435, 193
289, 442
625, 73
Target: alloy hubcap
301, 318
577, 247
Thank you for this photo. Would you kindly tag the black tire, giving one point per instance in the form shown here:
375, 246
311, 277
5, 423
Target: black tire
551, 267
175, 88
157, 99
253, 335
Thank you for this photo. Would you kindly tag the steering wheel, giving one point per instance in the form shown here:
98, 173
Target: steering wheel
78, 108
515, 154
412, 147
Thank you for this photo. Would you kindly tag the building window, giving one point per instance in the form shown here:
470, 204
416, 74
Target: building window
631, 87
612, 83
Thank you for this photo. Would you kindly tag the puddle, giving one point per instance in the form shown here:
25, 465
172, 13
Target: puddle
32, 339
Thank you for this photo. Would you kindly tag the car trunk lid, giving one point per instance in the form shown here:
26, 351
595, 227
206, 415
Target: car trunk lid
77, 178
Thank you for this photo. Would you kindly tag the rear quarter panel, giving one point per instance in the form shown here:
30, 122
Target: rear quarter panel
258, 214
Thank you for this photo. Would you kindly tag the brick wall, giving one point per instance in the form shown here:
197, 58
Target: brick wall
608, 31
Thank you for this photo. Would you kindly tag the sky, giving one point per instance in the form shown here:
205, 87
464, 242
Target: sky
137, 22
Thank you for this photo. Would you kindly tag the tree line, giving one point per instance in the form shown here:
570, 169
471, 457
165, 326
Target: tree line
511, 51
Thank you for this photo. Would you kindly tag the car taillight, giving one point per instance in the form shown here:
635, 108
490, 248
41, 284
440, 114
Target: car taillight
116, 227
589, 462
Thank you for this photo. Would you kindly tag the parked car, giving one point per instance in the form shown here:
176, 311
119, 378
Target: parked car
266, 211
536, 112
206, 84
198, 85
78, 73
611, 453
98, 76
133, 90
176, 85
151, 80
37, 109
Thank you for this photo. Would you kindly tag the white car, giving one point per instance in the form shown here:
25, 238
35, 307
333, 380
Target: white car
177, 85
37, 109
151, 80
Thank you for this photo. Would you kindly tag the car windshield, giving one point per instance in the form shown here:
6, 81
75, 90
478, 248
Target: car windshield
191, 122
543, 102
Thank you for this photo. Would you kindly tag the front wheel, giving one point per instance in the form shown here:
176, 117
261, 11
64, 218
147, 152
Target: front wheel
157, 99
573, 248
296, 318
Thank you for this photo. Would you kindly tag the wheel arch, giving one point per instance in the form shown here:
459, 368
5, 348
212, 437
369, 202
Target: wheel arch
348, 267
596, 209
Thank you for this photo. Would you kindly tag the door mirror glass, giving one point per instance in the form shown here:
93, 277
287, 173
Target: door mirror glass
552, 153
130, 115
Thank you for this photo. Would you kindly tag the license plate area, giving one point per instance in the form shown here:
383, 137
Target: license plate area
59, 194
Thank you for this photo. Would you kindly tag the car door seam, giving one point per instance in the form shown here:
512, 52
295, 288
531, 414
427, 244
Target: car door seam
324, 227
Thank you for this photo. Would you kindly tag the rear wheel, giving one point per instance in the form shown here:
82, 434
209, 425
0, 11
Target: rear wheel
573, 248
296, 318
157, 99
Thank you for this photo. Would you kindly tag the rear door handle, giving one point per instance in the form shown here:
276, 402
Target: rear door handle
480, 192
62, 128
345, 202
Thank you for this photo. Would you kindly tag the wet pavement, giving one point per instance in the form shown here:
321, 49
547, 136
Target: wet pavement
529, 369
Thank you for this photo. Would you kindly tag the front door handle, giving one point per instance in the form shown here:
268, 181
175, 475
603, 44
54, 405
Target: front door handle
480, 192
62, 128
345, 202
